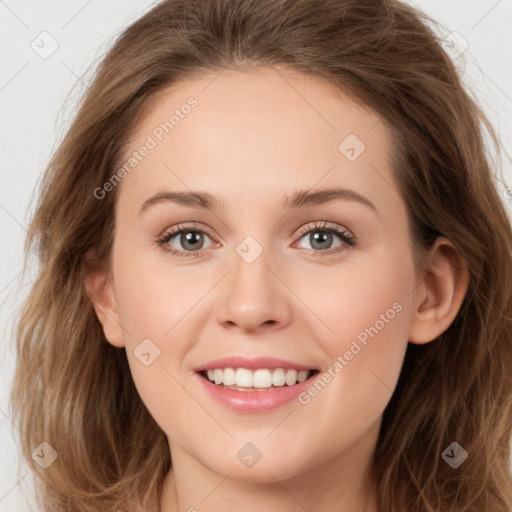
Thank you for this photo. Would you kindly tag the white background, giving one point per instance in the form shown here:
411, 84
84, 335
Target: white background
37, 98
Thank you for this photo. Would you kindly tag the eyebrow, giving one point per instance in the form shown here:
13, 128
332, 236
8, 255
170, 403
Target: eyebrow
299, 199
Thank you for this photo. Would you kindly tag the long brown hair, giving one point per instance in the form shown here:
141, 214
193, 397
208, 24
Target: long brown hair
74, 391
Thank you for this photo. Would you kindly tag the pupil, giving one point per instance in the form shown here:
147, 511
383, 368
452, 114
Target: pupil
191, 237
322, 237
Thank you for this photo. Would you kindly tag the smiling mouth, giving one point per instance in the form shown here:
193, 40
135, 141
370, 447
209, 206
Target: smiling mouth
243, 379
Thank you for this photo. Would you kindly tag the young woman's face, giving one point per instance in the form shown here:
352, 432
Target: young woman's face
261, 273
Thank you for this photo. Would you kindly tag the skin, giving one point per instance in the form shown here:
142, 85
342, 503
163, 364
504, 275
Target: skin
253, 139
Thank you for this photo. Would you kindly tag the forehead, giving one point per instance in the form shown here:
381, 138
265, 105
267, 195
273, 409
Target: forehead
263, 131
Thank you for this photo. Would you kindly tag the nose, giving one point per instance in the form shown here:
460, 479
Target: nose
253, 296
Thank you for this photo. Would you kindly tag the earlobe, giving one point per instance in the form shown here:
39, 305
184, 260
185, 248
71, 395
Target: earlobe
438, 298
99, 287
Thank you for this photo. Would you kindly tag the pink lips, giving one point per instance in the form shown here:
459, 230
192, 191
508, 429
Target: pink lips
252, 364
253, 401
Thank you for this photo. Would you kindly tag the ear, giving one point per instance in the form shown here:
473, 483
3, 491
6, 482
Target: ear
100, 289
438, 298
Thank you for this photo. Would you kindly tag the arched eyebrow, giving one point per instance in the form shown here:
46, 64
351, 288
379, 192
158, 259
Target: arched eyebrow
299, 199
192, 199
303, 198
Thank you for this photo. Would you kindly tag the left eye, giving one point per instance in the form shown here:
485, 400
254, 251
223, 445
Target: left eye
320, 237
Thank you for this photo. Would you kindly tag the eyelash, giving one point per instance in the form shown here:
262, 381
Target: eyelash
346, 237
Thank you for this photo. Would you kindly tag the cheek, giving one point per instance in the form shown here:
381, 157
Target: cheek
153, 300
365, 315
347, 300
155, 306
156, 313
368, 312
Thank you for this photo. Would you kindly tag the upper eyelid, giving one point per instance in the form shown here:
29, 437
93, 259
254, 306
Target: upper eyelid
190, 227
324, 225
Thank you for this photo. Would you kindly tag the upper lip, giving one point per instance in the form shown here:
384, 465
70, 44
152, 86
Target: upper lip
251, 363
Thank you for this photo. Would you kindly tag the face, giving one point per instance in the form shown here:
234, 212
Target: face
312, 281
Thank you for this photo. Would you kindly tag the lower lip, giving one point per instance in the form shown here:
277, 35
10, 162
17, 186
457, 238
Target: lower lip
255, 401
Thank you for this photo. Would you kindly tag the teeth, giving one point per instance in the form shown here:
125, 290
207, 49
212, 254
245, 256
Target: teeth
229, 377
217, 376
302, 375
260, 379
243, 378
279, 377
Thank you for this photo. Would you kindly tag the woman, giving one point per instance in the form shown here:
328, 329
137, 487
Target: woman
182, 349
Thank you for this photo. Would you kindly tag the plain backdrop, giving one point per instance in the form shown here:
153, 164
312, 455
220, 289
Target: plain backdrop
39, 90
